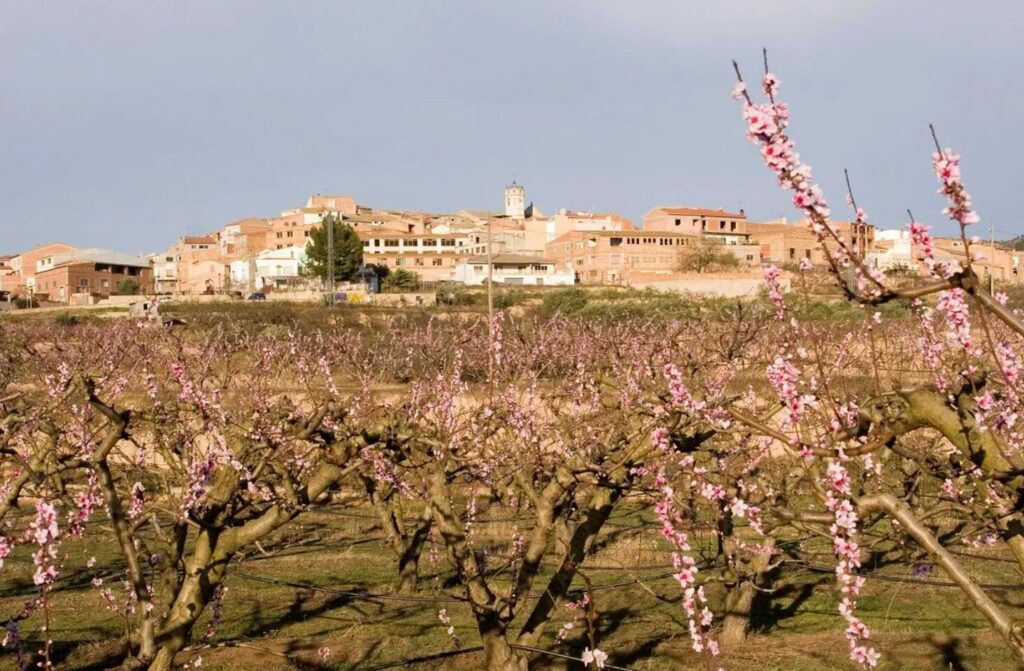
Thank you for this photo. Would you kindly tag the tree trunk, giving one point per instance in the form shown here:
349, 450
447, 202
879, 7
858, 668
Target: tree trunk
739, 601
498, 655
409, 558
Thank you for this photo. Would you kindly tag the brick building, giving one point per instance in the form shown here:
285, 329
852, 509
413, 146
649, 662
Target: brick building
780, 242
95, 272
609, 257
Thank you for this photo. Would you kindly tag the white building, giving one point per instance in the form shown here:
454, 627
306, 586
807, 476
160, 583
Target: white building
513, 269
165, 272
893, 250
277, 268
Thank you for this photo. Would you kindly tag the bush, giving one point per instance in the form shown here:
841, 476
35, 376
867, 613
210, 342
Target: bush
509, 298
66, 319
565, 301
401, 280
127, 287
450, 293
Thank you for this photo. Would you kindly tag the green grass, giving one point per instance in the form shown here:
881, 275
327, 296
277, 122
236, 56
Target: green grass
280, 627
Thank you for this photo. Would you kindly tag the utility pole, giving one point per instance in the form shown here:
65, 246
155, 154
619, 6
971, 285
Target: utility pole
992, 260
329, 223
490, 311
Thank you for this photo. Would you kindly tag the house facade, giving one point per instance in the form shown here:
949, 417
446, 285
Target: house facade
92, 272
512, 269
609, 257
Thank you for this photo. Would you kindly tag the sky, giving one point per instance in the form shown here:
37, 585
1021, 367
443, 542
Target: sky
126, 124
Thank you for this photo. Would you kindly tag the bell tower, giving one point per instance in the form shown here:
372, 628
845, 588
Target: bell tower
515, 201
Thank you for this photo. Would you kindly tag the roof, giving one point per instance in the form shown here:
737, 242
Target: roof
97, 255
700, 212
510, 258
198, 240
480, 214
250, 223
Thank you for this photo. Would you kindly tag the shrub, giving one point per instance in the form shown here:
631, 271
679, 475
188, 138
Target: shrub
565, 301
127, 287
509, 298
66, 319
401, 280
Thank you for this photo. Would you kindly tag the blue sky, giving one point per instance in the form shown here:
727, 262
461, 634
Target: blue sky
125, 124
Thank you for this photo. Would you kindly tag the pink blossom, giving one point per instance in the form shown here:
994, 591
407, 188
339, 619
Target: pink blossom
770, 85
595, 657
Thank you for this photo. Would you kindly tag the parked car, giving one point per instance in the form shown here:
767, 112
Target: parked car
257, 296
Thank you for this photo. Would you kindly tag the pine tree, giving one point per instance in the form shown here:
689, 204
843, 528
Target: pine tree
348, 250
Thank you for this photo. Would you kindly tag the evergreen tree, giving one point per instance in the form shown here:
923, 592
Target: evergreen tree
348, 250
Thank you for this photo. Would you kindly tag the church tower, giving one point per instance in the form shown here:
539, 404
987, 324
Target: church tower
515, 201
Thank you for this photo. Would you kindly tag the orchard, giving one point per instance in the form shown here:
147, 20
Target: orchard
526, 491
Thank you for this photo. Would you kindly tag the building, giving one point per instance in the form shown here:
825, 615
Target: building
94, 272
433, 256
609, 257
26, 265
512, 269
997, 261
728, 227
293, 226
277, 268
515, 201
9, 280
781, 242
718, 231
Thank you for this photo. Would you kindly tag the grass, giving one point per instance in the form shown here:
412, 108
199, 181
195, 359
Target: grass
273, 626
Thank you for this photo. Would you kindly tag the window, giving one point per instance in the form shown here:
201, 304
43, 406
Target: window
290, 233
678, 221
721, 225
436, 262
792, 253
807, 253
400, 261
391, 243
104, 283
447, 242
83, 282
750, 257
732, 225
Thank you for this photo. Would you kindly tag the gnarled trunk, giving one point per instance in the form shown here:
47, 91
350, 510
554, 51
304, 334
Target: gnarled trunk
498, 654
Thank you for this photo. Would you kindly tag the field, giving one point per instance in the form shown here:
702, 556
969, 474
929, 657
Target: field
317, 589
270, 625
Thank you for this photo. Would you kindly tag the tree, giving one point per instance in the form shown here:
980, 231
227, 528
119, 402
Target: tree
400, 280
127, 287
348, 250
708, 257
